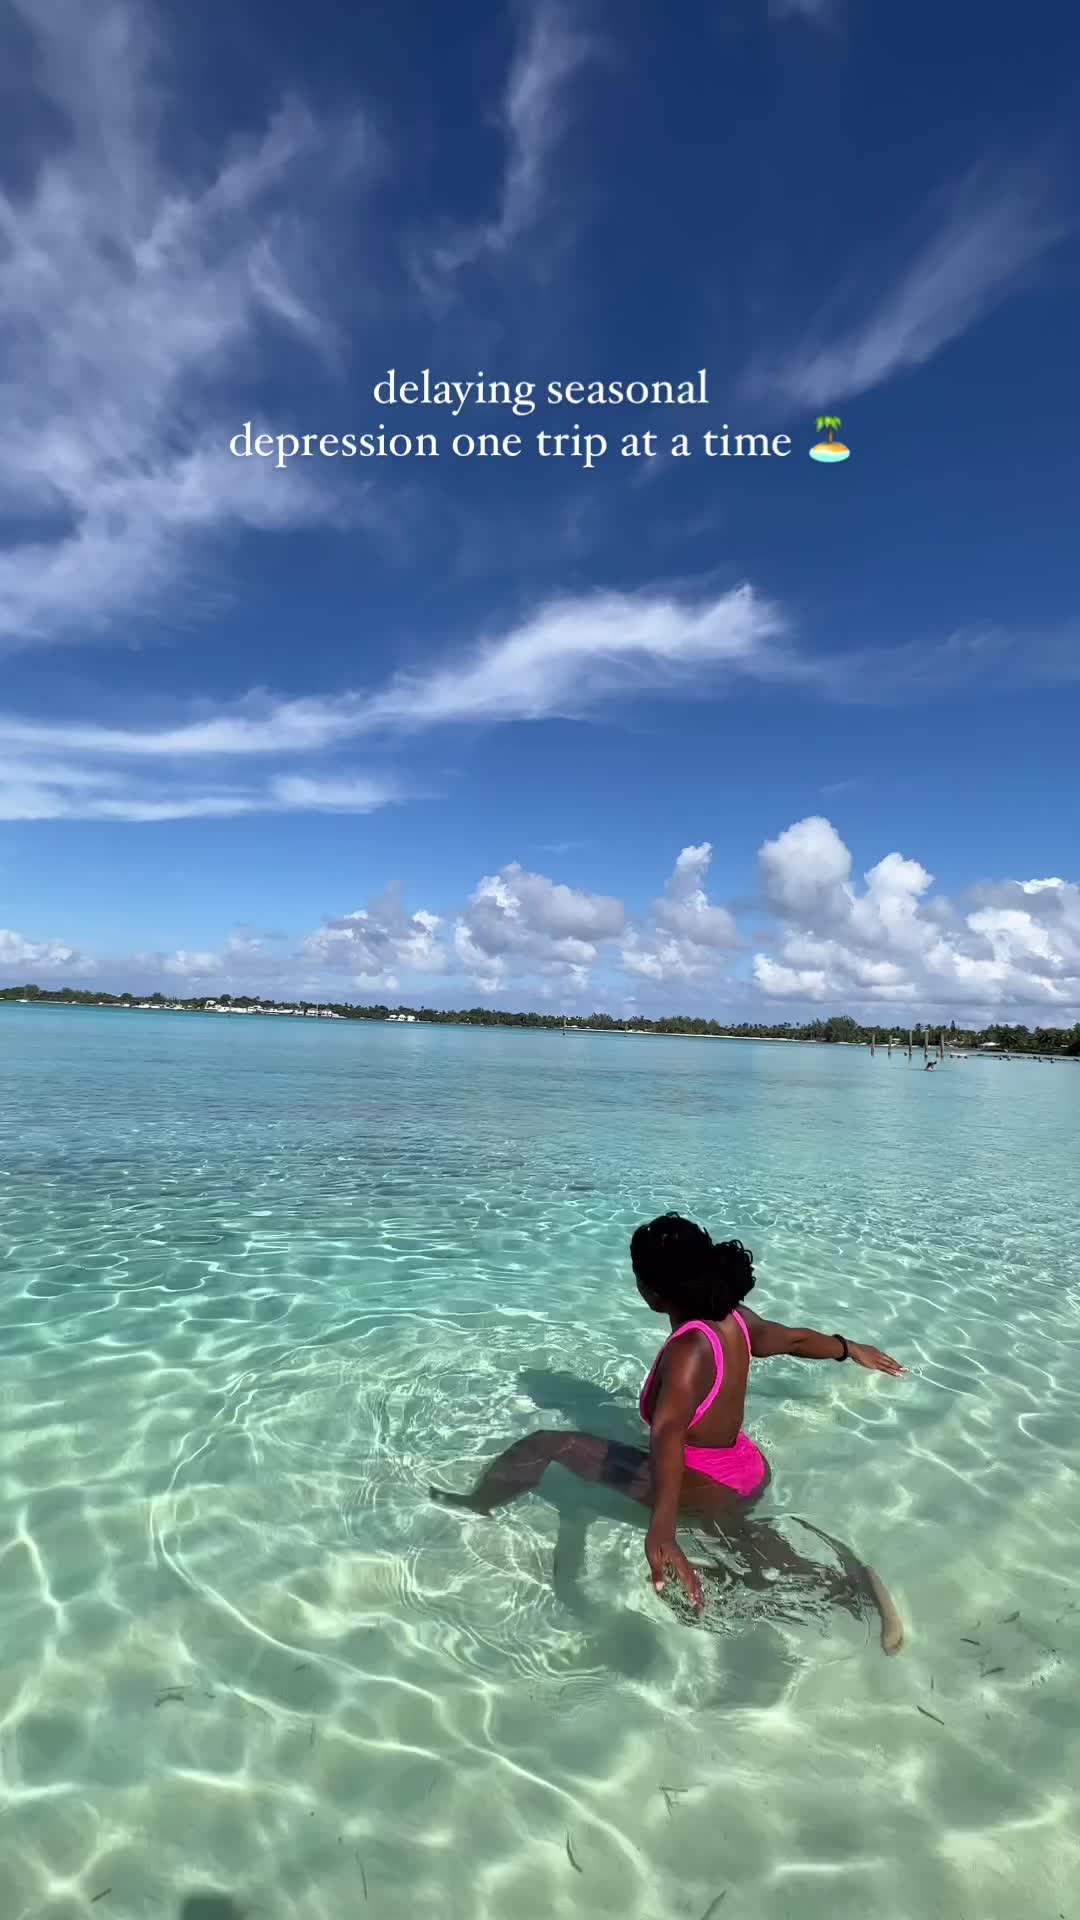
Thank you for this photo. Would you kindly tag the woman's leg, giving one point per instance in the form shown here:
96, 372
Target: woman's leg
892, 1627
521, 1467
765, 1553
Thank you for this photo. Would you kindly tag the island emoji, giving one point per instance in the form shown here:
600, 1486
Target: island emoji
829, 449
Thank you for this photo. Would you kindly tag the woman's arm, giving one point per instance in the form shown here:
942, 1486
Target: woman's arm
768, 1338
675, 1406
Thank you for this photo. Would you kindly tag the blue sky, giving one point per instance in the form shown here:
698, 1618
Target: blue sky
741, 735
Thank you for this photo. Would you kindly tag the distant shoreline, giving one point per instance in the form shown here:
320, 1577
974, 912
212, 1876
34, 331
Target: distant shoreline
963, 1044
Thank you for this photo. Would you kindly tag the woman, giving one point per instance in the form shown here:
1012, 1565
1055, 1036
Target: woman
700, 1464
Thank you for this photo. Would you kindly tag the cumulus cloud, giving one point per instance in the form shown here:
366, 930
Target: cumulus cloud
130, 294
521, 925
379, 943
245, 962
29, 959
890, 941
884, 945
686, 933
985, 242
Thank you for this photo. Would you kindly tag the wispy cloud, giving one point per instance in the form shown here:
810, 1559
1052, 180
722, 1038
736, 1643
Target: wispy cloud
88, 788
991, 658
552, 52
579, 652
129, 294
985, 242
568, 659
571, 659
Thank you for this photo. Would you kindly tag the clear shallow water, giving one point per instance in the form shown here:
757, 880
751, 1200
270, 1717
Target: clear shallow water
261, 1283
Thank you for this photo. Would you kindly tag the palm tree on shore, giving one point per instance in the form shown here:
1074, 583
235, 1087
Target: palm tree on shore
827, 422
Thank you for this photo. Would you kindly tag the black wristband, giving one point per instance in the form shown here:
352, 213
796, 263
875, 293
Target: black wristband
846, 1355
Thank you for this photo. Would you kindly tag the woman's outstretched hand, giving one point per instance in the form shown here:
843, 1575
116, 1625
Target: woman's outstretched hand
661, 1551
873, 1358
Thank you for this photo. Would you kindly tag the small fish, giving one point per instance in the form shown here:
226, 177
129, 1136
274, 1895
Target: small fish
931, 1683
311, 1735
969, 1642
363, 1881
170, 1694
927, 1715
302, 1666
1013, 1617
990, 1672
570, 1856
715, 1905
95, 1897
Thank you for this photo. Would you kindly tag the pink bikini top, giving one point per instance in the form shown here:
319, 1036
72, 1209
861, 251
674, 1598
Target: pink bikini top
715, 1342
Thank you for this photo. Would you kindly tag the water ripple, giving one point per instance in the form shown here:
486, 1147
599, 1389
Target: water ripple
259, 1287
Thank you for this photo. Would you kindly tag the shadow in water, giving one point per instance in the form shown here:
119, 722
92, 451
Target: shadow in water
210, 1906
589, 1407
755, 1667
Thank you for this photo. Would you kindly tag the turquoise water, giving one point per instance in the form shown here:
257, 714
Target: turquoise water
260, 1283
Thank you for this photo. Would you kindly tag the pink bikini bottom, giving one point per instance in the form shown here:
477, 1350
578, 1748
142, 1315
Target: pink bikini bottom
742, 1467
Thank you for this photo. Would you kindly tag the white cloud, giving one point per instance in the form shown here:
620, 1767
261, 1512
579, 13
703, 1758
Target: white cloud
805, 867
244, 963
986, 243
785, 983
21, 957
32, 788
687, 933
992, 658
561, 661
576, 653
189, 964
885, 943
1017, 946
552, 52
521, 926
129, 295
341, 795
569, 658
378, 943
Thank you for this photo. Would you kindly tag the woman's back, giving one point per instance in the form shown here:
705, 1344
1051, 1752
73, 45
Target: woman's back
719, 1356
